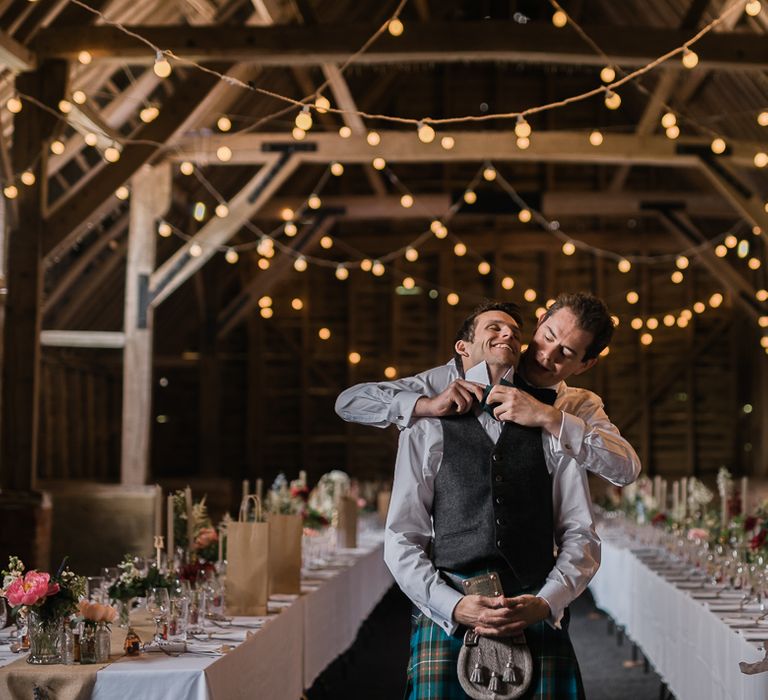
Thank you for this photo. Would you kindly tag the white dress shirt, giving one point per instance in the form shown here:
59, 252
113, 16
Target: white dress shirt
586, 436
409, 529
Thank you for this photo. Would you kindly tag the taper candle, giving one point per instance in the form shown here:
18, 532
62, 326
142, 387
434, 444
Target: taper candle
684, 495
158, 510
744, 508
675, 498
188, 503
171, 542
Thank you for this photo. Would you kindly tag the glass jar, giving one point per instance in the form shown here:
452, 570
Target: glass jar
88, 648
44, 638
102, 643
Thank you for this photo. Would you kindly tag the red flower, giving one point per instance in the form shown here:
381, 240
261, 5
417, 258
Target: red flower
300, 492
659, 518
749, 523
757, 541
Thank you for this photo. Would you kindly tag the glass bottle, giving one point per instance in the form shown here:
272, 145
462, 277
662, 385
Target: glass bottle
88, 643
102, 643
67, 643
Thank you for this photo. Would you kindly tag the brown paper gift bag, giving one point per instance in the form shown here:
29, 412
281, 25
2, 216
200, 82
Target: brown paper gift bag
285, 553
247, 587
347, 522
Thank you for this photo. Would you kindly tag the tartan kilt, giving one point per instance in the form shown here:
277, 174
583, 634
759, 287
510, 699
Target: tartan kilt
434, 654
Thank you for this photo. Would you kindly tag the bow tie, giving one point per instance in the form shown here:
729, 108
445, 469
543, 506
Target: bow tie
546, 396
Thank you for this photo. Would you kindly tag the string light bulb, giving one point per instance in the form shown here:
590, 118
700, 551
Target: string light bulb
91, 139
453, 298
373, 138
300, 264
652, 323
341, 272
762, 321
345, 132
366, 264
447, 142
28, 178
608, 74
489, 174
65, 106
224, 123
522, 127
326, 242
411, 254
523, 142
682, 262
699, 307
682, 322
84, 57
762, 119
287, 214
529, 295
186, 168
484, 267
672, 132
470, 197
324, 333
761, 295
395, 27
524, 215
224, 153
507, 283
669, 320
378, 268
731, 241
122, 193
669, 119
761, 159
754, 263
646, 338
290, 229
379, 163
162, 67
222, 210
314, 201
569, 248
596, 138
718, 146
164, 229
632, 297
612, 99
406, 201
149, 114
267, 312
198, 211
231, 256
426, 133
11, 191
263, 264
636, 323
460, 249
298, 134
79, 97
721, 251
753, 8
13, 105
195, 250
297, 304
690, 58
624, 265
337, 169
390, 372
716, 300
322, 104
57, 148
559, 19
304, 119
676, 277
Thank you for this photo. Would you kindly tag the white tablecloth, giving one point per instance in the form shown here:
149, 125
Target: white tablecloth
281, 659
696, 654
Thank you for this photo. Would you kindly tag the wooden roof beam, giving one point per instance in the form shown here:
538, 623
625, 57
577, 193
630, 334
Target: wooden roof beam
471, 147
14, 56
432, 42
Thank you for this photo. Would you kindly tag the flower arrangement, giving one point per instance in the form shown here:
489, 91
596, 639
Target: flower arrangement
93, 613
205, 542
132, 583
51, 597
286, 499
325, 496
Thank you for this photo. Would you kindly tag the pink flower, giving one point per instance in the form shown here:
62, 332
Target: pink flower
698, 533
205, 536
32, 589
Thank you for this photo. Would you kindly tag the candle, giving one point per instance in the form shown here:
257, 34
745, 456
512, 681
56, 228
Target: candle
684, 495
246, 486
221, 544
259, 488
663, 505
744, 508
171, 543
158, 510
188, 504
675, 498
303, 477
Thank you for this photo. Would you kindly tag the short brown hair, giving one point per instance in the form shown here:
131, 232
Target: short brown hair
593, 317
467, 328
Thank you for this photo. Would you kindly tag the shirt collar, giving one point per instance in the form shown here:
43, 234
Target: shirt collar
479, 373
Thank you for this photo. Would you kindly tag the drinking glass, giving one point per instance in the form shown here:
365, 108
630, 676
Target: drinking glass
197, 609
3, 613
95, 588
158, 604
178, 619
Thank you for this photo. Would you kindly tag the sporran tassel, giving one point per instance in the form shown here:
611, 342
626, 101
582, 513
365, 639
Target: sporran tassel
493, 685
477, 675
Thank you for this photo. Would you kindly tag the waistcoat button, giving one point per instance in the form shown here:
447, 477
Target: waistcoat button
499, 543
500, 500
499, 478
496, 457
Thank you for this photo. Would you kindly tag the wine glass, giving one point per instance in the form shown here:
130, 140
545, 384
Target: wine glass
3, 613
158, 603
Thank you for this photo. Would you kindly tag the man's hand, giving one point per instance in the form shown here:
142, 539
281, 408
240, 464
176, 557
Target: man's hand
454, 400
500, 616
519, 407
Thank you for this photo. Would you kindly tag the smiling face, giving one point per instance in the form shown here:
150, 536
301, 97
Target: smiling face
557, 349
496, 340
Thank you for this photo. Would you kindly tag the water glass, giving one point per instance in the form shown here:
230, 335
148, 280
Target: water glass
95, 588
178, 619
158, 604
197, 609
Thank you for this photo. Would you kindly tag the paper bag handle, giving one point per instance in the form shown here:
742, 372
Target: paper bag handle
243, 514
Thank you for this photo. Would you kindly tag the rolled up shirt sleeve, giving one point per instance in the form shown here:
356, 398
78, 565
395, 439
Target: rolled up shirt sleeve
408, 534
588, 437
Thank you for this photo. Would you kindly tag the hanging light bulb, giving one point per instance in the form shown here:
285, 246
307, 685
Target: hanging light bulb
716, 300
57, 147
524, 215
718, 146
304, 119
721, 251
91, 139
426, 133
676, 277
507, 283
164, 229
290, 229
379, 163
754, 263
366, 264
489, 174
632, 297
65, 106
411, 254
761, 159
14, 105
263, 264
231, 256
326, 242
224, 123
267, 312
523, 143
298, 134
186, 168
341, 272
596, 138
624, 265
699, 307
297, 304
345, 132
753, 8
470, 197
681, 262
408, 283
322, 104
762, 119
453, 298
28, 178
11, 191
612, 99
636, 323
652, 323
484, 267
646, 338
354, 358
395, 27
314, 201
406, 201
669, 119
673, 132
287, 214
559, 19
447, 142
529, 295
731, 241
569, 248
162, 67
149, 114
195, 250
300, 264
761, 295
224, 153
373, 138
337, 169
324, 333
614, 317
222, 210
690, 58
522, 127
669, 320
378, 268
460, 250
84, 57
608, 74
122, 193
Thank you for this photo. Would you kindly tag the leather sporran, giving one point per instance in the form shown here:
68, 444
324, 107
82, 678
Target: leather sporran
492, 668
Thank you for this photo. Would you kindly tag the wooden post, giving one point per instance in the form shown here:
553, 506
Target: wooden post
151, 190
21, 367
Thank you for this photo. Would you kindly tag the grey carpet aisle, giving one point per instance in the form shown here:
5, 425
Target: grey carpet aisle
374, 667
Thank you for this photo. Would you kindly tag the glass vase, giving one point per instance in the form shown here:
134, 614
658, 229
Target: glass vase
88, 646
124, 608
44, 639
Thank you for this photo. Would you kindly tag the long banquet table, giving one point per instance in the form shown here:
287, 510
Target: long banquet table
689, 644
278, 661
